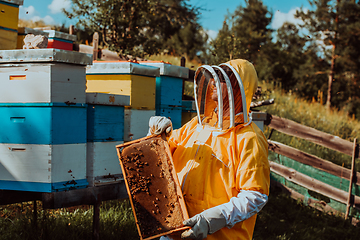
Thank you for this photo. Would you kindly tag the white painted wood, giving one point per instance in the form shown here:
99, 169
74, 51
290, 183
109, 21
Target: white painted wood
136, 123
42, 163
107, 99
123, 67
42, 83
102, 163
68, 162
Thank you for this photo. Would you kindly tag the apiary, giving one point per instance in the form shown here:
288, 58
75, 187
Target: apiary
43, 114
169, 88
105, 130
153, 187
9, 18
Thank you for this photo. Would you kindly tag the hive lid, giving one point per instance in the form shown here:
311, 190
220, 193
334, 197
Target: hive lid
122, 67
17, 2
61, 35
26, 30
44, 55
107, 99
169, 70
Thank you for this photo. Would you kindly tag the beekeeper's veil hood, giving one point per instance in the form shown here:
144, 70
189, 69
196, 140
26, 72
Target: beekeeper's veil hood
234, 83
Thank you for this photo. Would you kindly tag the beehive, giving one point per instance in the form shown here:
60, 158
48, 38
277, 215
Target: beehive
153, 187
105, 120
43, 114
169, 88
105, 130
9, 18
42, 168
136, 123
124, 78
43, 76
23, 31
188, 111
53, 123
60, 40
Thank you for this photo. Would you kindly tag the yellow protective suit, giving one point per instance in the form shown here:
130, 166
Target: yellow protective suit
214, 165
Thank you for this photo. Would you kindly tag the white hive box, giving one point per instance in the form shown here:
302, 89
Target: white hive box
42, 168
43, 76
136, 123
102, 163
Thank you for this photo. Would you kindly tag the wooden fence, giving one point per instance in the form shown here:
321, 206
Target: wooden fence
318, 182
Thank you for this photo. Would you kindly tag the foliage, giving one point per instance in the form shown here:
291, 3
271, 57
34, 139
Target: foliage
333, 28
142, 27
244, 33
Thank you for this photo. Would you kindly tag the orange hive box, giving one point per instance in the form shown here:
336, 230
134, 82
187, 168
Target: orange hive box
153, 187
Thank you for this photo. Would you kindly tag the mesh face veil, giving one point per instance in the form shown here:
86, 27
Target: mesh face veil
220, 96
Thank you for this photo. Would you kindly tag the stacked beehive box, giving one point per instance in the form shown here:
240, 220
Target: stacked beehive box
105, 130
56, 39
43, 116
60, 40
23, 31
131, 79
169, 87
9, 18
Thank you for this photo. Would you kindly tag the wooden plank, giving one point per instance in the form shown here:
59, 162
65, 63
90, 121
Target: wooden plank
311, 160
324, 139
351, 181
312, 184
85, 196
102, 163
136, 123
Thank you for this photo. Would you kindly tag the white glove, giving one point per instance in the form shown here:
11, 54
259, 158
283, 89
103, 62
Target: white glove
158, 125
239, 208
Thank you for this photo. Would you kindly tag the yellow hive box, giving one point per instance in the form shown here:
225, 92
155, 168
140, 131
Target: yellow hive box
125, 78
9, 19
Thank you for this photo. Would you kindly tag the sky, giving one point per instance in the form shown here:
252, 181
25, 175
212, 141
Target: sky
211, 18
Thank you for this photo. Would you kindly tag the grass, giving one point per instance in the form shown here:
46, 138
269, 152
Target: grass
116, 222
282, 218
312, 114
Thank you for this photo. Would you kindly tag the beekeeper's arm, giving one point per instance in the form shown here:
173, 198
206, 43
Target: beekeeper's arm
239, 208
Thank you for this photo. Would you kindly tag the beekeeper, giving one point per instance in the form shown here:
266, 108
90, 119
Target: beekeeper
220, 156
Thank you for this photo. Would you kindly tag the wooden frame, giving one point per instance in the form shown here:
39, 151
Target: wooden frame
174, 177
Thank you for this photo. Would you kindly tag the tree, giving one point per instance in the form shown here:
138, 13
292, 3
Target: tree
334, 27
136, 27
244, 33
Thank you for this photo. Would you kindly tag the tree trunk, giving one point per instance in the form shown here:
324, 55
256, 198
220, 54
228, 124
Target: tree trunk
331, 79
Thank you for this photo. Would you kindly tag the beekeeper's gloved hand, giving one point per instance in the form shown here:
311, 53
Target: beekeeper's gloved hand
158, 125
239, 208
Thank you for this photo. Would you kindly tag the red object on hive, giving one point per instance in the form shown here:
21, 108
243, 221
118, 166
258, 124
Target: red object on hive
58, 44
